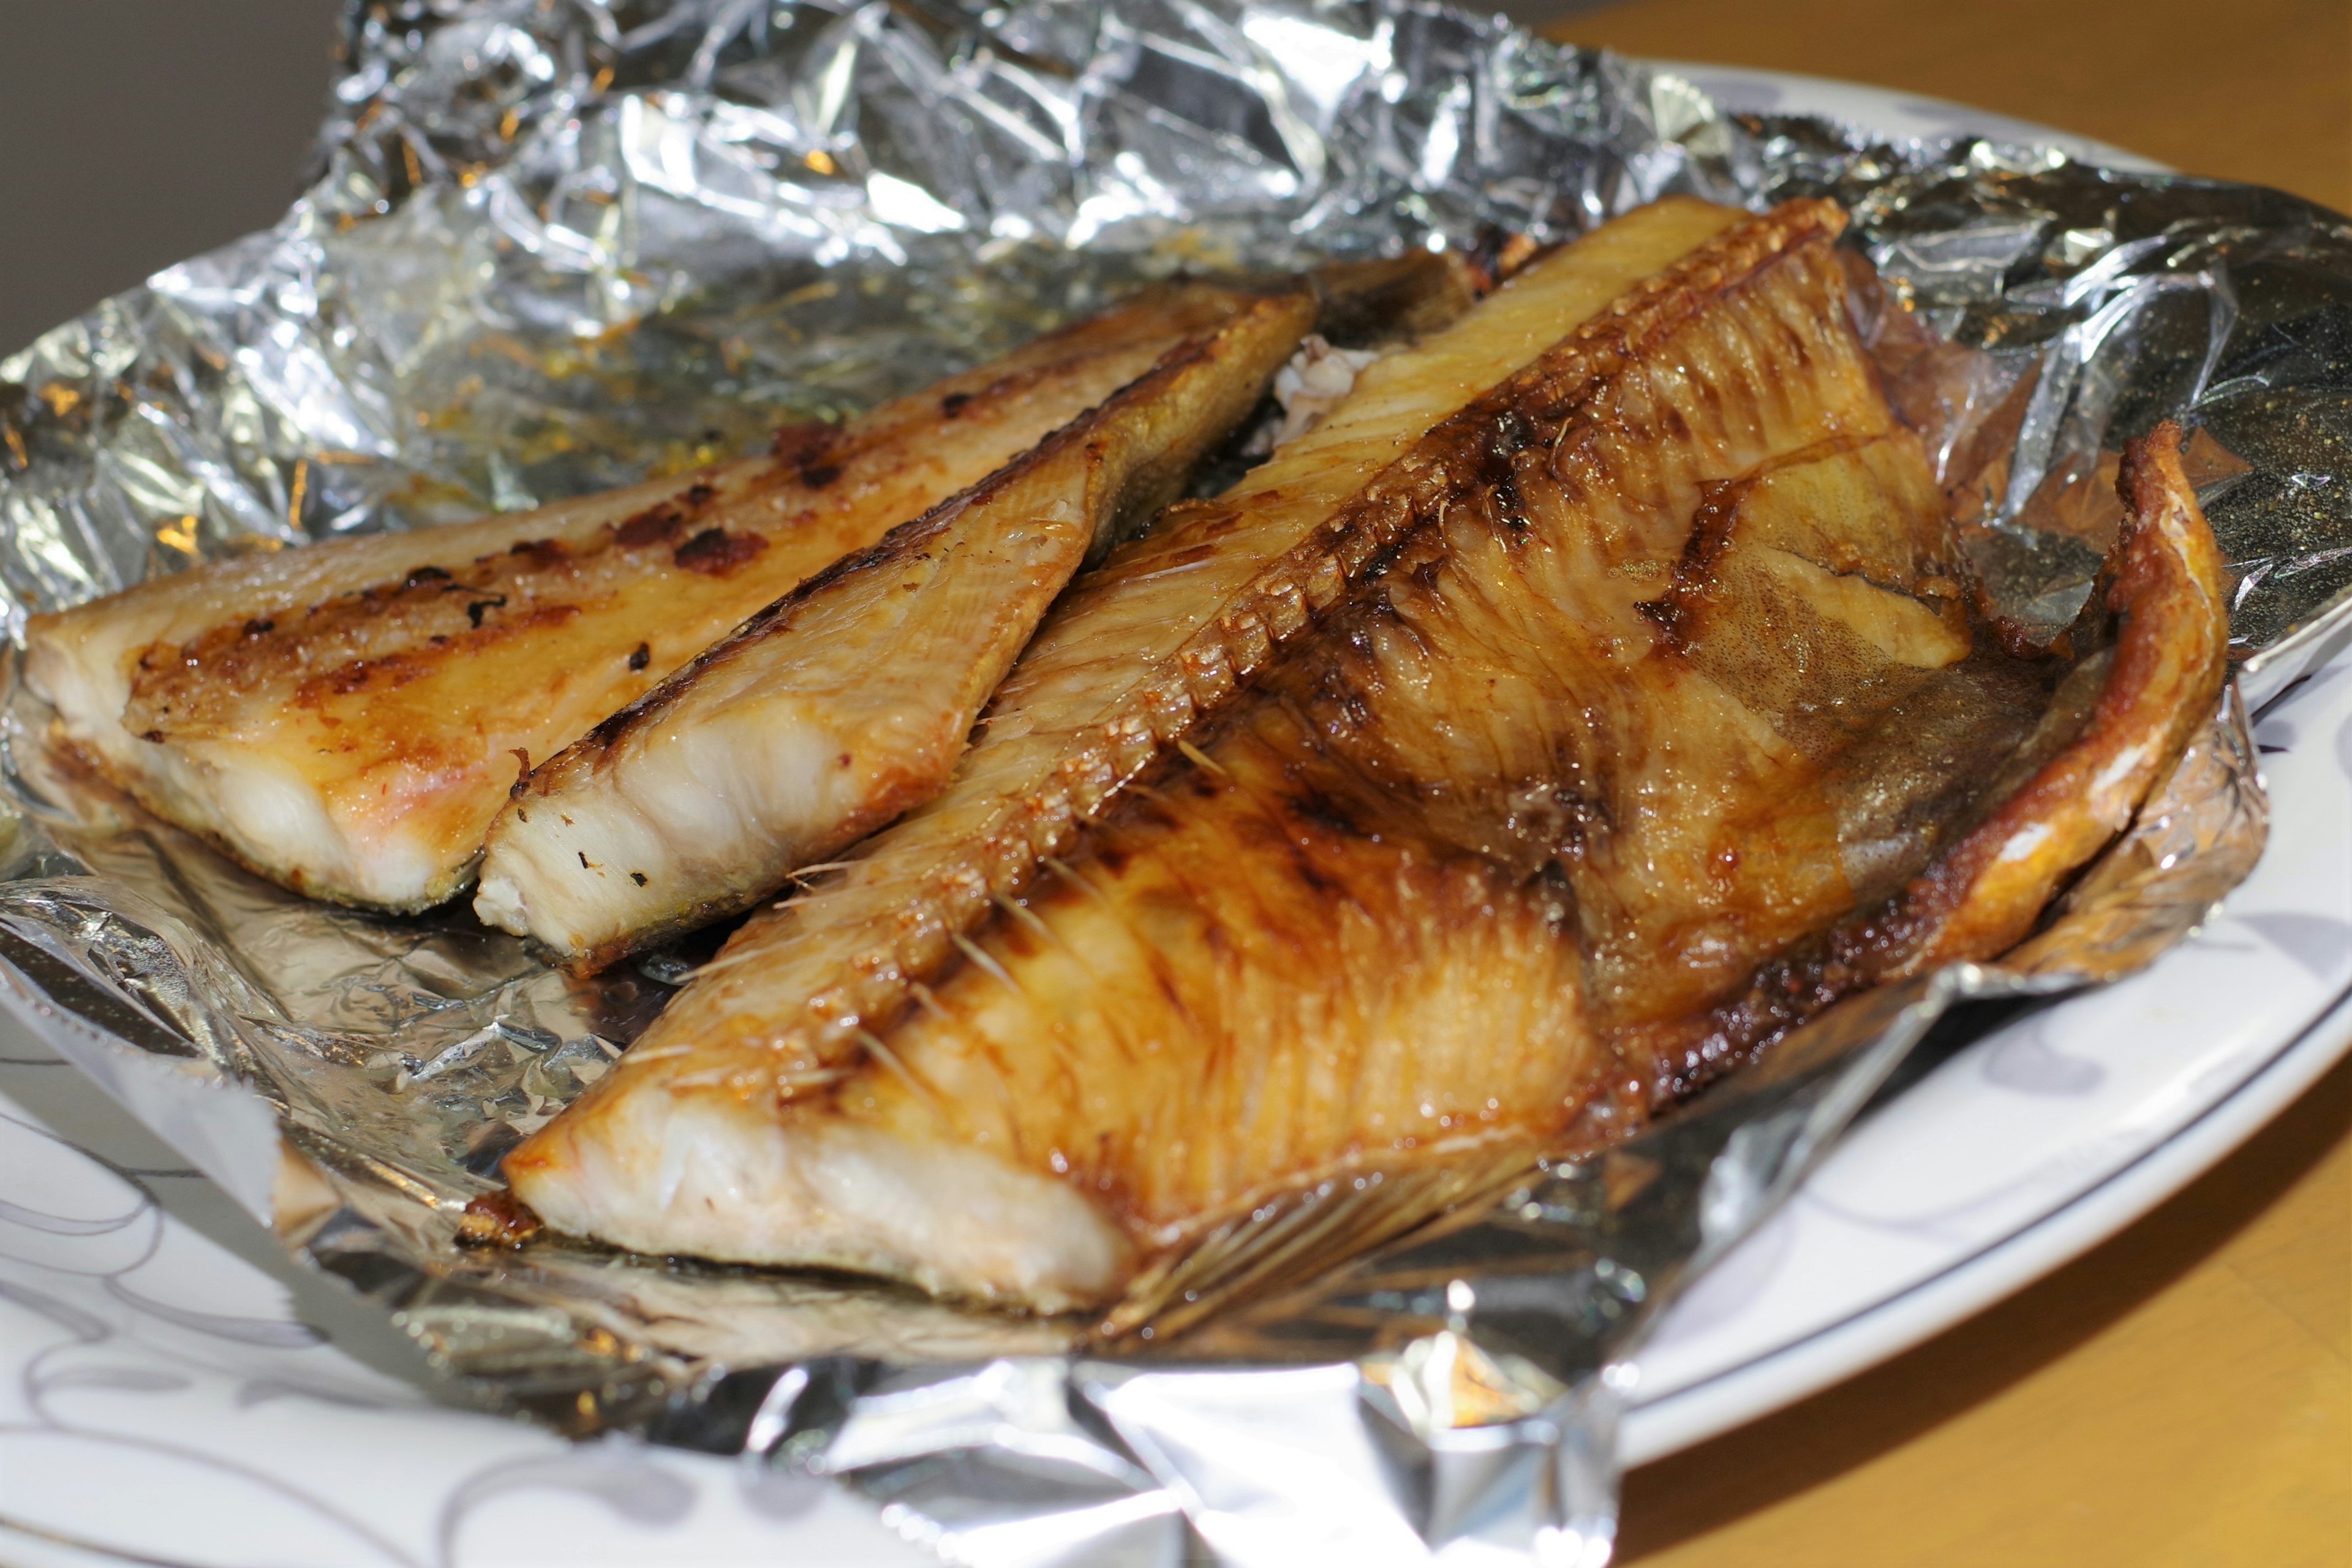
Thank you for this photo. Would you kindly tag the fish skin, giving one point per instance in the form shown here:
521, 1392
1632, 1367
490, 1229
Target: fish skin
848, 701
345, 718
2160, 616
2133, 682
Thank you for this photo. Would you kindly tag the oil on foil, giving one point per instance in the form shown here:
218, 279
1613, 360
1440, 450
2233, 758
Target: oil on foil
556, 244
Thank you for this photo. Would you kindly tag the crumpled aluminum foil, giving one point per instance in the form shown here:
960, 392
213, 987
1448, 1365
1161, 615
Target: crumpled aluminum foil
557, 244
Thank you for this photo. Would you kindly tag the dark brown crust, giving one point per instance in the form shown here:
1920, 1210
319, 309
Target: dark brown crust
1403, 297
715, 553
499, 1220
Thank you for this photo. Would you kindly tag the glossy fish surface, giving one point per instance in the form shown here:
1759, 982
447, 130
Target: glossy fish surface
1650, 716
842, 704
347, 718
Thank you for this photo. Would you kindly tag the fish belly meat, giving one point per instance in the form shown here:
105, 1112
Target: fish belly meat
347, 718
1645, 712
838, 707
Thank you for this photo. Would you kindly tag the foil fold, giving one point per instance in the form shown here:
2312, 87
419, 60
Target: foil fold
558, 245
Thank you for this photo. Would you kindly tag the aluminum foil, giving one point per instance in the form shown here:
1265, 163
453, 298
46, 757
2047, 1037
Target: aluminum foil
555, 245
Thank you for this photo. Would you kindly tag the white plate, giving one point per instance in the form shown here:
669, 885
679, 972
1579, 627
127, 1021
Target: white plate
166, 1394
1886, 112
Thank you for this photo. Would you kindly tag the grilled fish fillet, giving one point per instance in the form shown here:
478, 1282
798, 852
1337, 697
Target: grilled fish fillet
1652, 720
346, 718
1161, 631
837, 708
1136, 649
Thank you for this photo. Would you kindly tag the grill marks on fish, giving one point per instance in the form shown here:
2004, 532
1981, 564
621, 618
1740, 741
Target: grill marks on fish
381, 637
341, 718
840, 706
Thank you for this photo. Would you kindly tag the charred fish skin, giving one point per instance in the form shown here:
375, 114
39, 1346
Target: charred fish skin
344, 718
1341, 927
848, 701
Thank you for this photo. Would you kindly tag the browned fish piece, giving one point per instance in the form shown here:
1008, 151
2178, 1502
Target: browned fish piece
1160, 634
1162, 631
347, 718
837, 708
1653, 721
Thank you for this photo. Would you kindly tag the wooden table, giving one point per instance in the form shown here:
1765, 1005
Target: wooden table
2183, 1393
2245, 90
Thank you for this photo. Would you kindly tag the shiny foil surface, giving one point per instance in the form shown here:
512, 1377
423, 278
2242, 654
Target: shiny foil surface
557, 244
